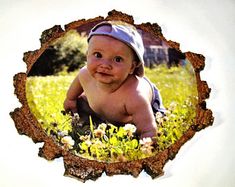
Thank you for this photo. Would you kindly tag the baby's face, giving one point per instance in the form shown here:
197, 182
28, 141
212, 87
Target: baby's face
109, 60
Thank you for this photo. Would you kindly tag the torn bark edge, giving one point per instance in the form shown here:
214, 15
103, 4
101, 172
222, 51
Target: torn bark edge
84, 169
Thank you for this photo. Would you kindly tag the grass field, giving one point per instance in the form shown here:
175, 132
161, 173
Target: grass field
45, 96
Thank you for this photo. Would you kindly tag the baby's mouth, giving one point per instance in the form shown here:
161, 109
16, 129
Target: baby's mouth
104, 73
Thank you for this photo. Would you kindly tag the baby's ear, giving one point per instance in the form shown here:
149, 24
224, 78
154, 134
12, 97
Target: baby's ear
133, 66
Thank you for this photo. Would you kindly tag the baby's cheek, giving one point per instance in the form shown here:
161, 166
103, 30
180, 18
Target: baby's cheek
92, 63
91, 66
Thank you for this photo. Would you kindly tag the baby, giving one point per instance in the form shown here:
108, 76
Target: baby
112, 83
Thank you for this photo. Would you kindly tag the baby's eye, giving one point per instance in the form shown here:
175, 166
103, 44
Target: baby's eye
118, 59
98, 55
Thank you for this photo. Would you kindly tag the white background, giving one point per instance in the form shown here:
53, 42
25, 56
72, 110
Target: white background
203, 26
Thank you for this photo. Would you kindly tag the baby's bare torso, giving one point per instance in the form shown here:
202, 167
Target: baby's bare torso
109, 106
112, 106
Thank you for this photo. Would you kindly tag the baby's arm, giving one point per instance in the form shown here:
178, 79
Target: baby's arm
140, 109
74, 91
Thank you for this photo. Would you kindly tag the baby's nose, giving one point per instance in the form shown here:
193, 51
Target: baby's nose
106, 63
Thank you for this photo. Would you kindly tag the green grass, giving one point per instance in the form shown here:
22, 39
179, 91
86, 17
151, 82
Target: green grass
45, 96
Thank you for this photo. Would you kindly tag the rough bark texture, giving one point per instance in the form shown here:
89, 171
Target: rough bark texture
84, 169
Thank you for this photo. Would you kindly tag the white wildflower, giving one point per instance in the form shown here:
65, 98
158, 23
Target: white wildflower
172, 106
168, 112
146, 150
130, 129
102, 126
146, 141
67, 141
99, 133
146, 145
159, 115
76, 115
159, 120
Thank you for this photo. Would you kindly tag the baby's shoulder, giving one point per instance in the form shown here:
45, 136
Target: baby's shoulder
83, 73
138, 89
142, 85
83, 70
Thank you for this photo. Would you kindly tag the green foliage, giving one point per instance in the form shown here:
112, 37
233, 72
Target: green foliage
108, 143
71, 51
65, 54
111, 144
72, 40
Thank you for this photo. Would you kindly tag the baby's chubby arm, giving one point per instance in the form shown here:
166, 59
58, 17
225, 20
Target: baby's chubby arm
74, 91
140, 109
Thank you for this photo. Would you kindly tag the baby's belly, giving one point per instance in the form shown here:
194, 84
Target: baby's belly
113, 114
117, 118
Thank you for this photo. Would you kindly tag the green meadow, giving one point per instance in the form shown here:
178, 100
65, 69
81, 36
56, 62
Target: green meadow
177, 85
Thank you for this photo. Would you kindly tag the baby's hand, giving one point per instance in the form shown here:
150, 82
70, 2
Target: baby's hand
70, 105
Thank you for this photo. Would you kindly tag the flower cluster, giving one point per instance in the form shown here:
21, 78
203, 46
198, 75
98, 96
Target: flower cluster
146, 146
173, 123
100, 131
75, 119
112, 144
130, 129
68, 142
